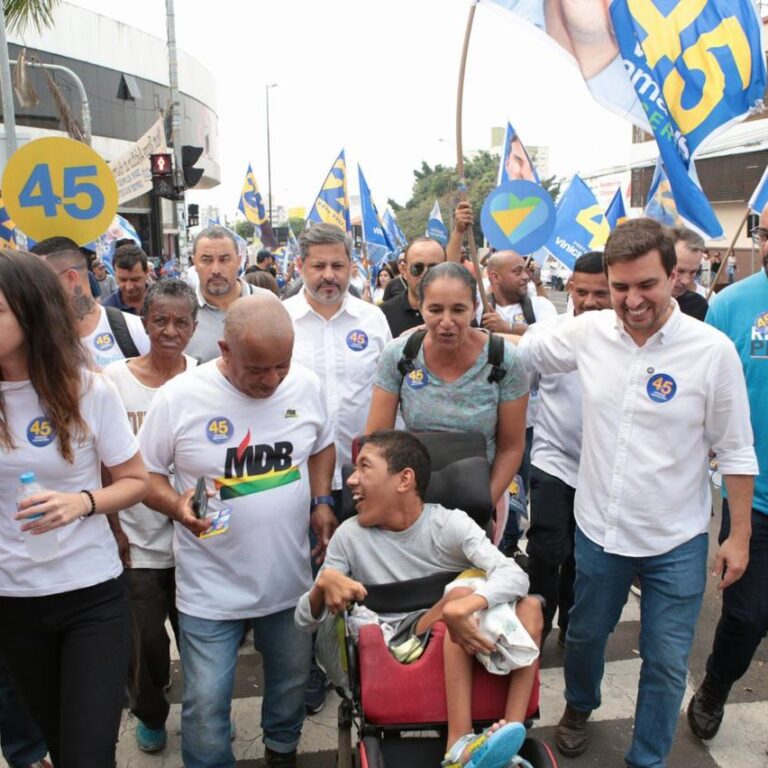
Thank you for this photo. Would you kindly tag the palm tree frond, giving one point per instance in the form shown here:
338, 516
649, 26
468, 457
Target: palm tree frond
20, 14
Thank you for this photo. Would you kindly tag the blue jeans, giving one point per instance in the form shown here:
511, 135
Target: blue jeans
672, 589
20, 738
208, 656
744, 620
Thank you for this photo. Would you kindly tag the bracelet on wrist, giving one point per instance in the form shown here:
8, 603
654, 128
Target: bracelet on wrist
316, 501
91, 507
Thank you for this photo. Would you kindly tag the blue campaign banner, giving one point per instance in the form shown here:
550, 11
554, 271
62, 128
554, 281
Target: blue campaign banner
435, 227
396, 235
251, 204
515, 161
696, 68
759, 198
581, 224
616, 212
332, 203
374, 234
518, 215
661, 204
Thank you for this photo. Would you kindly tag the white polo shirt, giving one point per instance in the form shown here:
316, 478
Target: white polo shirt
344, 352
254, 452
651, 415
557, 432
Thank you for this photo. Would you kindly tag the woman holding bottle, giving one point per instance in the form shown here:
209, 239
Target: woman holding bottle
65, 628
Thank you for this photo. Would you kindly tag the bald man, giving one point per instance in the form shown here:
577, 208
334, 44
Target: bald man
254, 426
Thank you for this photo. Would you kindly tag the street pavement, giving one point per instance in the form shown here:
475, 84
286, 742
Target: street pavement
742, 740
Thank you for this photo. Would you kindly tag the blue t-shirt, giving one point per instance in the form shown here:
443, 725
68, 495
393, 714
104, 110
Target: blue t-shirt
469, 404
741, 312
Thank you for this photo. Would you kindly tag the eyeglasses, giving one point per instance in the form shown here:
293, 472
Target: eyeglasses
418, 268
759, 235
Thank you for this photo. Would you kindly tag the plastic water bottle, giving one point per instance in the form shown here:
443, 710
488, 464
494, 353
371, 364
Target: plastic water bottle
42, 546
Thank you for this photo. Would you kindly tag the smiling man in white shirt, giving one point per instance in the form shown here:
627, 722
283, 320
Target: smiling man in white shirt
659, 391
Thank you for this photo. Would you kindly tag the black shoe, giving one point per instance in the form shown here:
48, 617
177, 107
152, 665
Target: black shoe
705, 710
571, 733
279, 759
561, 636
314, 695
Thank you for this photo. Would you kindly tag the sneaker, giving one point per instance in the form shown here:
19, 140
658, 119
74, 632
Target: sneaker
635, 588
314, 695
150, 739
706, 709
279, 759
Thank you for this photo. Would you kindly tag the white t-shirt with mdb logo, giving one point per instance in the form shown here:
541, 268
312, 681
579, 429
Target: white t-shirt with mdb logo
87, 552
102, 345
254, 452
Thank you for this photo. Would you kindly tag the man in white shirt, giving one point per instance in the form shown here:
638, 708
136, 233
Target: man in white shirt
660, 391
217, 262
555, 458
254, 426
106, 333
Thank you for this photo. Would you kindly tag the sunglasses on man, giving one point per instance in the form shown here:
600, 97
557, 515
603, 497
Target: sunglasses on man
418, 269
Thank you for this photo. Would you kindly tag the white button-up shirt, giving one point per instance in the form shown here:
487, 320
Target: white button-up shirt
651, 414
344, 352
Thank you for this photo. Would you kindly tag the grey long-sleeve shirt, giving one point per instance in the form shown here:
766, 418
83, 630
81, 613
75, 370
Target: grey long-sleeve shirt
440, 540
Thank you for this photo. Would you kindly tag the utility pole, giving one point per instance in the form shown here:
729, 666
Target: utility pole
175, 110
269, 156
9, 112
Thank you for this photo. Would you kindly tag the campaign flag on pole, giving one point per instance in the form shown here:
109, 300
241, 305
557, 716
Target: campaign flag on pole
681, 70
374, 234
396, 235
759, 198
435, 227
7, 228
581, 224
515, 161
332, 203
616, 212
251, 205
661, 204
119, 229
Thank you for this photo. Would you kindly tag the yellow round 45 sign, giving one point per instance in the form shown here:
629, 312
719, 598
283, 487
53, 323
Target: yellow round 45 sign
61, 187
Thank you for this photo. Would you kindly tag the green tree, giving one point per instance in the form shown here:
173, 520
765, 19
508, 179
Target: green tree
296, 223
19, 14
245, 229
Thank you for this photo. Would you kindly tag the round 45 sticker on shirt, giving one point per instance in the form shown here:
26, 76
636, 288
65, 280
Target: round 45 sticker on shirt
104, 342
357, 340
40, 432
661, 387
417, 378
219, 430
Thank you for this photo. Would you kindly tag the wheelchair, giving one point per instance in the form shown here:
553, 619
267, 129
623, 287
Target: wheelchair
398, 711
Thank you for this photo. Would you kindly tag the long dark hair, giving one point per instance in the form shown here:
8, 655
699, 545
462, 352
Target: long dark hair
55, 356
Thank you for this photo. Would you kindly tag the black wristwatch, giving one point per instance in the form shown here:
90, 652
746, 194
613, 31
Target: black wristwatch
318, 500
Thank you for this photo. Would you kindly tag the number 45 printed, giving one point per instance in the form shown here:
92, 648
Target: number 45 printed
38, 192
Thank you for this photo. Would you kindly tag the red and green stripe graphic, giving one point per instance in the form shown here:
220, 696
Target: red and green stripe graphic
235, 487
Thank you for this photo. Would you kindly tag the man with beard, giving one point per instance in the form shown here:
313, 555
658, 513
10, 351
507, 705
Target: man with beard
340, 338
741, 313
217, 262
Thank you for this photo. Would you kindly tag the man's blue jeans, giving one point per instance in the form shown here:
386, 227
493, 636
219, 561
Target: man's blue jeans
672, 589
208, 656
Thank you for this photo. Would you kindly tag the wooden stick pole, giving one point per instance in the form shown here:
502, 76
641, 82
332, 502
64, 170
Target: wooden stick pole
460, 155
724, 261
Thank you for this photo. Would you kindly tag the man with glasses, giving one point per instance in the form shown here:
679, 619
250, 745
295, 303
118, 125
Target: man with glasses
689, 249
402, 311
741, 313
106, 333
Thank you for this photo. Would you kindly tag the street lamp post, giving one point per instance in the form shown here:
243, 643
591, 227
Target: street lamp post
269, 154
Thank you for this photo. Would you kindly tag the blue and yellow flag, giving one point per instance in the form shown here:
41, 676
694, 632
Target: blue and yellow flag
661, 204
581, 224
616, 212
332, 203
7, 228
375, 236
251, 204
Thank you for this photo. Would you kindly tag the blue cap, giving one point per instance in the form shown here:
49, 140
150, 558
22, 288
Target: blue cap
27, 478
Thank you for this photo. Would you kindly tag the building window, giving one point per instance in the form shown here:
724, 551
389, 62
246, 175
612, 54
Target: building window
128, 90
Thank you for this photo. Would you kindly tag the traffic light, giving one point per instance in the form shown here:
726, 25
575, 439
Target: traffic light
193, 215
161, 166
189, 156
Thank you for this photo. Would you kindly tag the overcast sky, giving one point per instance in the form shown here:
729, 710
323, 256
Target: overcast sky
378, 79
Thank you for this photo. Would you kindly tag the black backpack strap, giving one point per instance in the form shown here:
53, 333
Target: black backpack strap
119, 326
410, 350
527, 307
496, 359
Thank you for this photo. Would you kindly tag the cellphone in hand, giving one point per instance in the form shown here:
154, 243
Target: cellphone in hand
200, 499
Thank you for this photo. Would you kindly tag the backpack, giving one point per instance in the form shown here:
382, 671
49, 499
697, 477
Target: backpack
495, 356
526, 305
119, 326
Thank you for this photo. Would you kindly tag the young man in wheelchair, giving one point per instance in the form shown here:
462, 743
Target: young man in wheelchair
396, 537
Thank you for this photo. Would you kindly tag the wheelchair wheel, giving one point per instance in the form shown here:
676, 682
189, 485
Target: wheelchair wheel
538, 754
